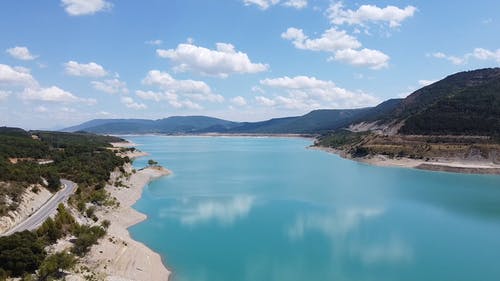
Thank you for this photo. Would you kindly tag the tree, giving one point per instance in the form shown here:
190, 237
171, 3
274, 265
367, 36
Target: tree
152, 162
21, 253
54, 264
53, 182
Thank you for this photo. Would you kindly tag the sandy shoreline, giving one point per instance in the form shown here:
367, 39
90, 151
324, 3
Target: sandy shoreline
118, 256
443, 165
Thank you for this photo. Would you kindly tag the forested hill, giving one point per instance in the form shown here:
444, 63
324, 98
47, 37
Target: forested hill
466, 103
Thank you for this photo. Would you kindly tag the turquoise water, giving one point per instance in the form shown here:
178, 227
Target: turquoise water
270, 209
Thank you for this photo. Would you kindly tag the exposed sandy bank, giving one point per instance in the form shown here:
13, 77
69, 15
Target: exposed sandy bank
30, 202
118, 256
439, 164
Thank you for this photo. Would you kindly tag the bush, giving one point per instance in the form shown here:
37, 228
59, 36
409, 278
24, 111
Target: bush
87, 236
53, 265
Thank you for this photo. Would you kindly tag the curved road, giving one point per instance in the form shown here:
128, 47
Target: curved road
47, 209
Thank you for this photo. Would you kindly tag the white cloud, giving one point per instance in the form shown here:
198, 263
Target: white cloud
50, 94
365, 57
85, 7
484, 54
297, 4
4, 95
425, 82
239, 101
331, 40
265, 101
16, 76
90, 69
342, 45
222, 62
130, 103
171, 98
307, 93
21, 53
392, 15
41, 109
263, 4
155, 42
478, 54
186, 103
453, 59
110, 86
198, 90
257, 89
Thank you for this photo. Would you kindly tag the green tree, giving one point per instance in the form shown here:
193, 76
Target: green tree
54, 265
54, 183
152, 162
21, 253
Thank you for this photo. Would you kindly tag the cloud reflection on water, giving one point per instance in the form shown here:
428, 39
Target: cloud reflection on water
224, 210
339, 223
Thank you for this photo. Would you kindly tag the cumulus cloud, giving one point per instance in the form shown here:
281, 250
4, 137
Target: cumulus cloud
307, 93
425, 82
197, 90
155, 42
41, 109
485, 54
85, 7
392, 15
21, 53
261, 100
171, 98
110, 86
342, 45
263, 4
330, 41
90, 69
478, 54
4, 95
365, 57
50, 94
453, 59
239, 101
16, 76
130, 103
221, 62
297, 4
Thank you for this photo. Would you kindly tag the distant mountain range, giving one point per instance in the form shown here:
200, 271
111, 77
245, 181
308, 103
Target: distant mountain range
466, 103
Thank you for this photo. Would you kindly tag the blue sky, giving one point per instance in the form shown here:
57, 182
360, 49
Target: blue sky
67, 61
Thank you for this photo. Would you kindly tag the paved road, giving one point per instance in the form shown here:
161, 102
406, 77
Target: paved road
40, 215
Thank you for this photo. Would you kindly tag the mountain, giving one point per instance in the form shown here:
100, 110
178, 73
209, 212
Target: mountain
170, 125
316, 121
465, 103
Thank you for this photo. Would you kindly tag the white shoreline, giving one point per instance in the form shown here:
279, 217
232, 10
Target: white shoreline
118, 256
442, 165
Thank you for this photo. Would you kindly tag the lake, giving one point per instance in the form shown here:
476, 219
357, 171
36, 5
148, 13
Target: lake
242, 208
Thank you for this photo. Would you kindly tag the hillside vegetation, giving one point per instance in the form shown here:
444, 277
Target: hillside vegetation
40, 157
32, 158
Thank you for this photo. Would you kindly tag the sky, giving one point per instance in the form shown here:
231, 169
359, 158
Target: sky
63, 62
